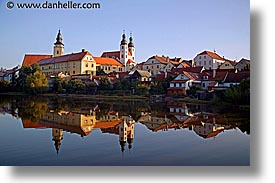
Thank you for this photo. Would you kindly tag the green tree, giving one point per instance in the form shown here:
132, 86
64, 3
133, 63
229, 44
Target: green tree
4, 85
36, 83
239, 94
77, 85
156, 88
91, 88
105, 84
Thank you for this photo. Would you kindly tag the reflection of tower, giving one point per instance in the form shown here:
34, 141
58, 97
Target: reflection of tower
57, 135
126, 134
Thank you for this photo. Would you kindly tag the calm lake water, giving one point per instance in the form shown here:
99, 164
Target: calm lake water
56, 131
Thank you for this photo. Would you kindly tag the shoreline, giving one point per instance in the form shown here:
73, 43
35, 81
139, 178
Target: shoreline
125, 98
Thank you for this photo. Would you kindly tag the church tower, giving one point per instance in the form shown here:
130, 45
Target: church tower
57, 135
131, 47
123, 50
58, 48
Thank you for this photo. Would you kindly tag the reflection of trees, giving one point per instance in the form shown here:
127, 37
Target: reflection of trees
25, 107
34, 108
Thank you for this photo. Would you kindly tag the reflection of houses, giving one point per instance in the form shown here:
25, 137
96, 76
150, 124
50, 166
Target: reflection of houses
180, 112
125, 130
70, 121
155, 122
83, 123
208, 125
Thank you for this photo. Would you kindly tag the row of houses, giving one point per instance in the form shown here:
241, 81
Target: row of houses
207, 69
9, 75
207, 59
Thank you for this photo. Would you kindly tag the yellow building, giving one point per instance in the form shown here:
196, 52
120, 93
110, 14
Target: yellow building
69, 64
108, 65
228, 64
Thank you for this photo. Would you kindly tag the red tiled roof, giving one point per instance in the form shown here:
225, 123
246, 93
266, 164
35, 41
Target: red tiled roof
213, 83
107, 61
197, 69
174, 63
184, 64
65, 58
179, 81
141, 64
107, 124
220, 74
121, 75
191, 75
161, 76
233, 63
30, 124
111, 54
162, 60
214, 133
130, 61
237, 77
211, 54
31, 59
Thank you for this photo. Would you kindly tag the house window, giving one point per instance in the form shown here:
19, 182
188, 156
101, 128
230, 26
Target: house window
204, 62
204, 57
203, 84
209, 62
199, 57
87, 65
57, 52
157, 66
122, 56
73, 72
200, 63
147, 67
68, 65
92, 65
73, 65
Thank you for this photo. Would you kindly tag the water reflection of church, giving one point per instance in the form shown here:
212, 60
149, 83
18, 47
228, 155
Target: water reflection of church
83, 123
178, 116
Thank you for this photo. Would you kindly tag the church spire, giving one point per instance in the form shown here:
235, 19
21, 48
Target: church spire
59, 38
131, 43
58, 48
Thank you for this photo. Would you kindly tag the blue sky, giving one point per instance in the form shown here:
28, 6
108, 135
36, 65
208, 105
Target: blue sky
180, 28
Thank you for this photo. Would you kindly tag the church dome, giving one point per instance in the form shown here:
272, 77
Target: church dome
131, 44
123, 41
